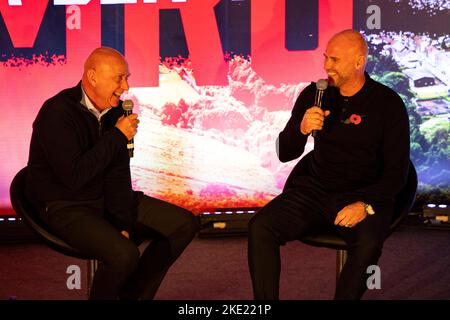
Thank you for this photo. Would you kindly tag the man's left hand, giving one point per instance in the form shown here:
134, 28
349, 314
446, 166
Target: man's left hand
351, 215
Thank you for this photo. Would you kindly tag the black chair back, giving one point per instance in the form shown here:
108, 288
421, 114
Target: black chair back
25, 210
404, 200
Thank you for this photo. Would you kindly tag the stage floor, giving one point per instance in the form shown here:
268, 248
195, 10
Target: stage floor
415, 265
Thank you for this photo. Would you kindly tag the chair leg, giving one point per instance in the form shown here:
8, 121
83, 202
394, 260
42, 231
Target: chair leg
341, 258
92, 267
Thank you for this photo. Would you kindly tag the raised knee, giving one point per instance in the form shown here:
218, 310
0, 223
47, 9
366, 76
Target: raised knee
190, 225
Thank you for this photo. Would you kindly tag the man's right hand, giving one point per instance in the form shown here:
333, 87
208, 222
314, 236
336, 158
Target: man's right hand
128, 125
313, 120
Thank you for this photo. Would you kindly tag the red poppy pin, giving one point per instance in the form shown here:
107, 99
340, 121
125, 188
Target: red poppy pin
354, 118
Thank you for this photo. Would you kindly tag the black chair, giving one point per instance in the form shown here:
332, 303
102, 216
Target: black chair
331, 239
25, 210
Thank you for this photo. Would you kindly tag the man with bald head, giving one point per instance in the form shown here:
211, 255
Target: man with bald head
79, 178
348, 182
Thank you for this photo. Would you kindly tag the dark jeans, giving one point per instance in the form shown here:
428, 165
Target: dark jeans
123, 272
301, 210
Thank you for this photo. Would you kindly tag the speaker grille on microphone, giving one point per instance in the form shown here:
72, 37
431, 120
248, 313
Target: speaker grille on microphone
321, 84
127, 105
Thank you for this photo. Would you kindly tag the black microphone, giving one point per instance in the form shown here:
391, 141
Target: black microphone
127, 107
321, 85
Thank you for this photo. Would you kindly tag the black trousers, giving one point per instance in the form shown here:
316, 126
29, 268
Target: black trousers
300, 210
123, 272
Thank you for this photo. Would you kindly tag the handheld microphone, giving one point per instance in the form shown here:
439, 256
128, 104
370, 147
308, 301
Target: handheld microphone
321, 85
127, 107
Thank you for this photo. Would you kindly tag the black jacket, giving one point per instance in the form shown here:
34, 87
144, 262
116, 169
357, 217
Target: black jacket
75, 157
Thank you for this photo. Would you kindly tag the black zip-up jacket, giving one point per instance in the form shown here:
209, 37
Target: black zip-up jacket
75, 157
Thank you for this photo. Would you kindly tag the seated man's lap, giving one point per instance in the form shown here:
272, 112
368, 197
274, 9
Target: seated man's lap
83, 226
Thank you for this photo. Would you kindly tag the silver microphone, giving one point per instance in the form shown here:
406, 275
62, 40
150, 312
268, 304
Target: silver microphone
127, 107
321, 85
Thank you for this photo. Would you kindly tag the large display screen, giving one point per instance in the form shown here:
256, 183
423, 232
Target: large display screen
214, 83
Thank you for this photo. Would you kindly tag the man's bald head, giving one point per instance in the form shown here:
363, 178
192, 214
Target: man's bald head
354, 40
102, 55
105, 77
